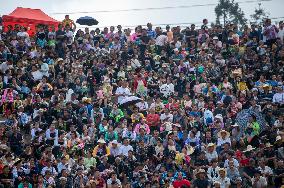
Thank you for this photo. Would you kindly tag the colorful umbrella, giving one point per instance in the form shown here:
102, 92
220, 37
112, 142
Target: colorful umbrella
243, 116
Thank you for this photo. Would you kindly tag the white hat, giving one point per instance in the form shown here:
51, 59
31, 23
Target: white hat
254, 89
114, 142
219, 116
249, 148
278, 138
215, 38
189, 150
102, 141
176, 50
235, 125
177, 125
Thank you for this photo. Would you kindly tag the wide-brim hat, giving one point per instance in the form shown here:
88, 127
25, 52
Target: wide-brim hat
177, 125
235, 125
211, 145
249, 148
189, 150
223, 131
219, 116
278, 138
102, 141
222, 169
268, 145
200, 171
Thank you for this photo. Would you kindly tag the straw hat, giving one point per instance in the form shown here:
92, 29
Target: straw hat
102, 141
59, 59
177, 125
278, 138
268, 145
63, 179
200, 171
219, 116
249, 148
211, 145
189, 150
223, 169
223, 131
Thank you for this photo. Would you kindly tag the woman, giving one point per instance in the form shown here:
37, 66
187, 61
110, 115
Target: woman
101, 149
116, 114
6, 177
143, 125
89, 160
111, 135
51, 135
73, 141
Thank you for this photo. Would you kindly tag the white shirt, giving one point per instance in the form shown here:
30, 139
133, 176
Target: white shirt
124, 150
142, 105
51, 169
3, 67
236, 163
211, 156
225, 183
124, 91
169, 116
278, 97
281, 34
161, 40
37, 75
266, 170
220, 141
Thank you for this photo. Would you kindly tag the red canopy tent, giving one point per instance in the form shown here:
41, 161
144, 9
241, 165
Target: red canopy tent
28, 18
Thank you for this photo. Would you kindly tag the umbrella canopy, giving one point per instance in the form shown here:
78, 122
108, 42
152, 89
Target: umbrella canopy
87, 20
128, 101
244, 115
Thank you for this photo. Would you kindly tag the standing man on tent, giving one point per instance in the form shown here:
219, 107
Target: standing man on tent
68, 21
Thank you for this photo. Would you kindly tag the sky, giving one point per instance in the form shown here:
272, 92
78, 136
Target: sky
133, 18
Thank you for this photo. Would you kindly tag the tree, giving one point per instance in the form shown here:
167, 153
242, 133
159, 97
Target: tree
230, 11
259, 14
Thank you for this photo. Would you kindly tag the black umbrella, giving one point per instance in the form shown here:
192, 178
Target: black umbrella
128, 101
87, 20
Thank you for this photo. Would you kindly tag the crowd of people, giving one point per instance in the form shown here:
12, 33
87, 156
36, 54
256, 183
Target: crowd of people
208, 108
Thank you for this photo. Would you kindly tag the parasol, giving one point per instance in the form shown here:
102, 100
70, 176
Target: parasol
243, 116
128, 101
87, 20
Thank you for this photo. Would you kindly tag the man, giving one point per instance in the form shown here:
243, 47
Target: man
181, 182
201, 181
222, 179
281, 31
122, 92
270, 32
125, 147
68, 21
16, 140
49, 168
278, 97
113, 181
150, 33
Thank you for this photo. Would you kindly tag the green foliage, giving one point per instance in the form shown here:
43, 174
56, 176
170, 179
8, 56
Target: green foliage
259, 14
230, 11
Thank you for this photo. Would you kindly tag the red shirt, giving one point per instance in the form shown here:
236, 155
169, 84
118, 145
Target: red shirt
179, 183
153, 119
